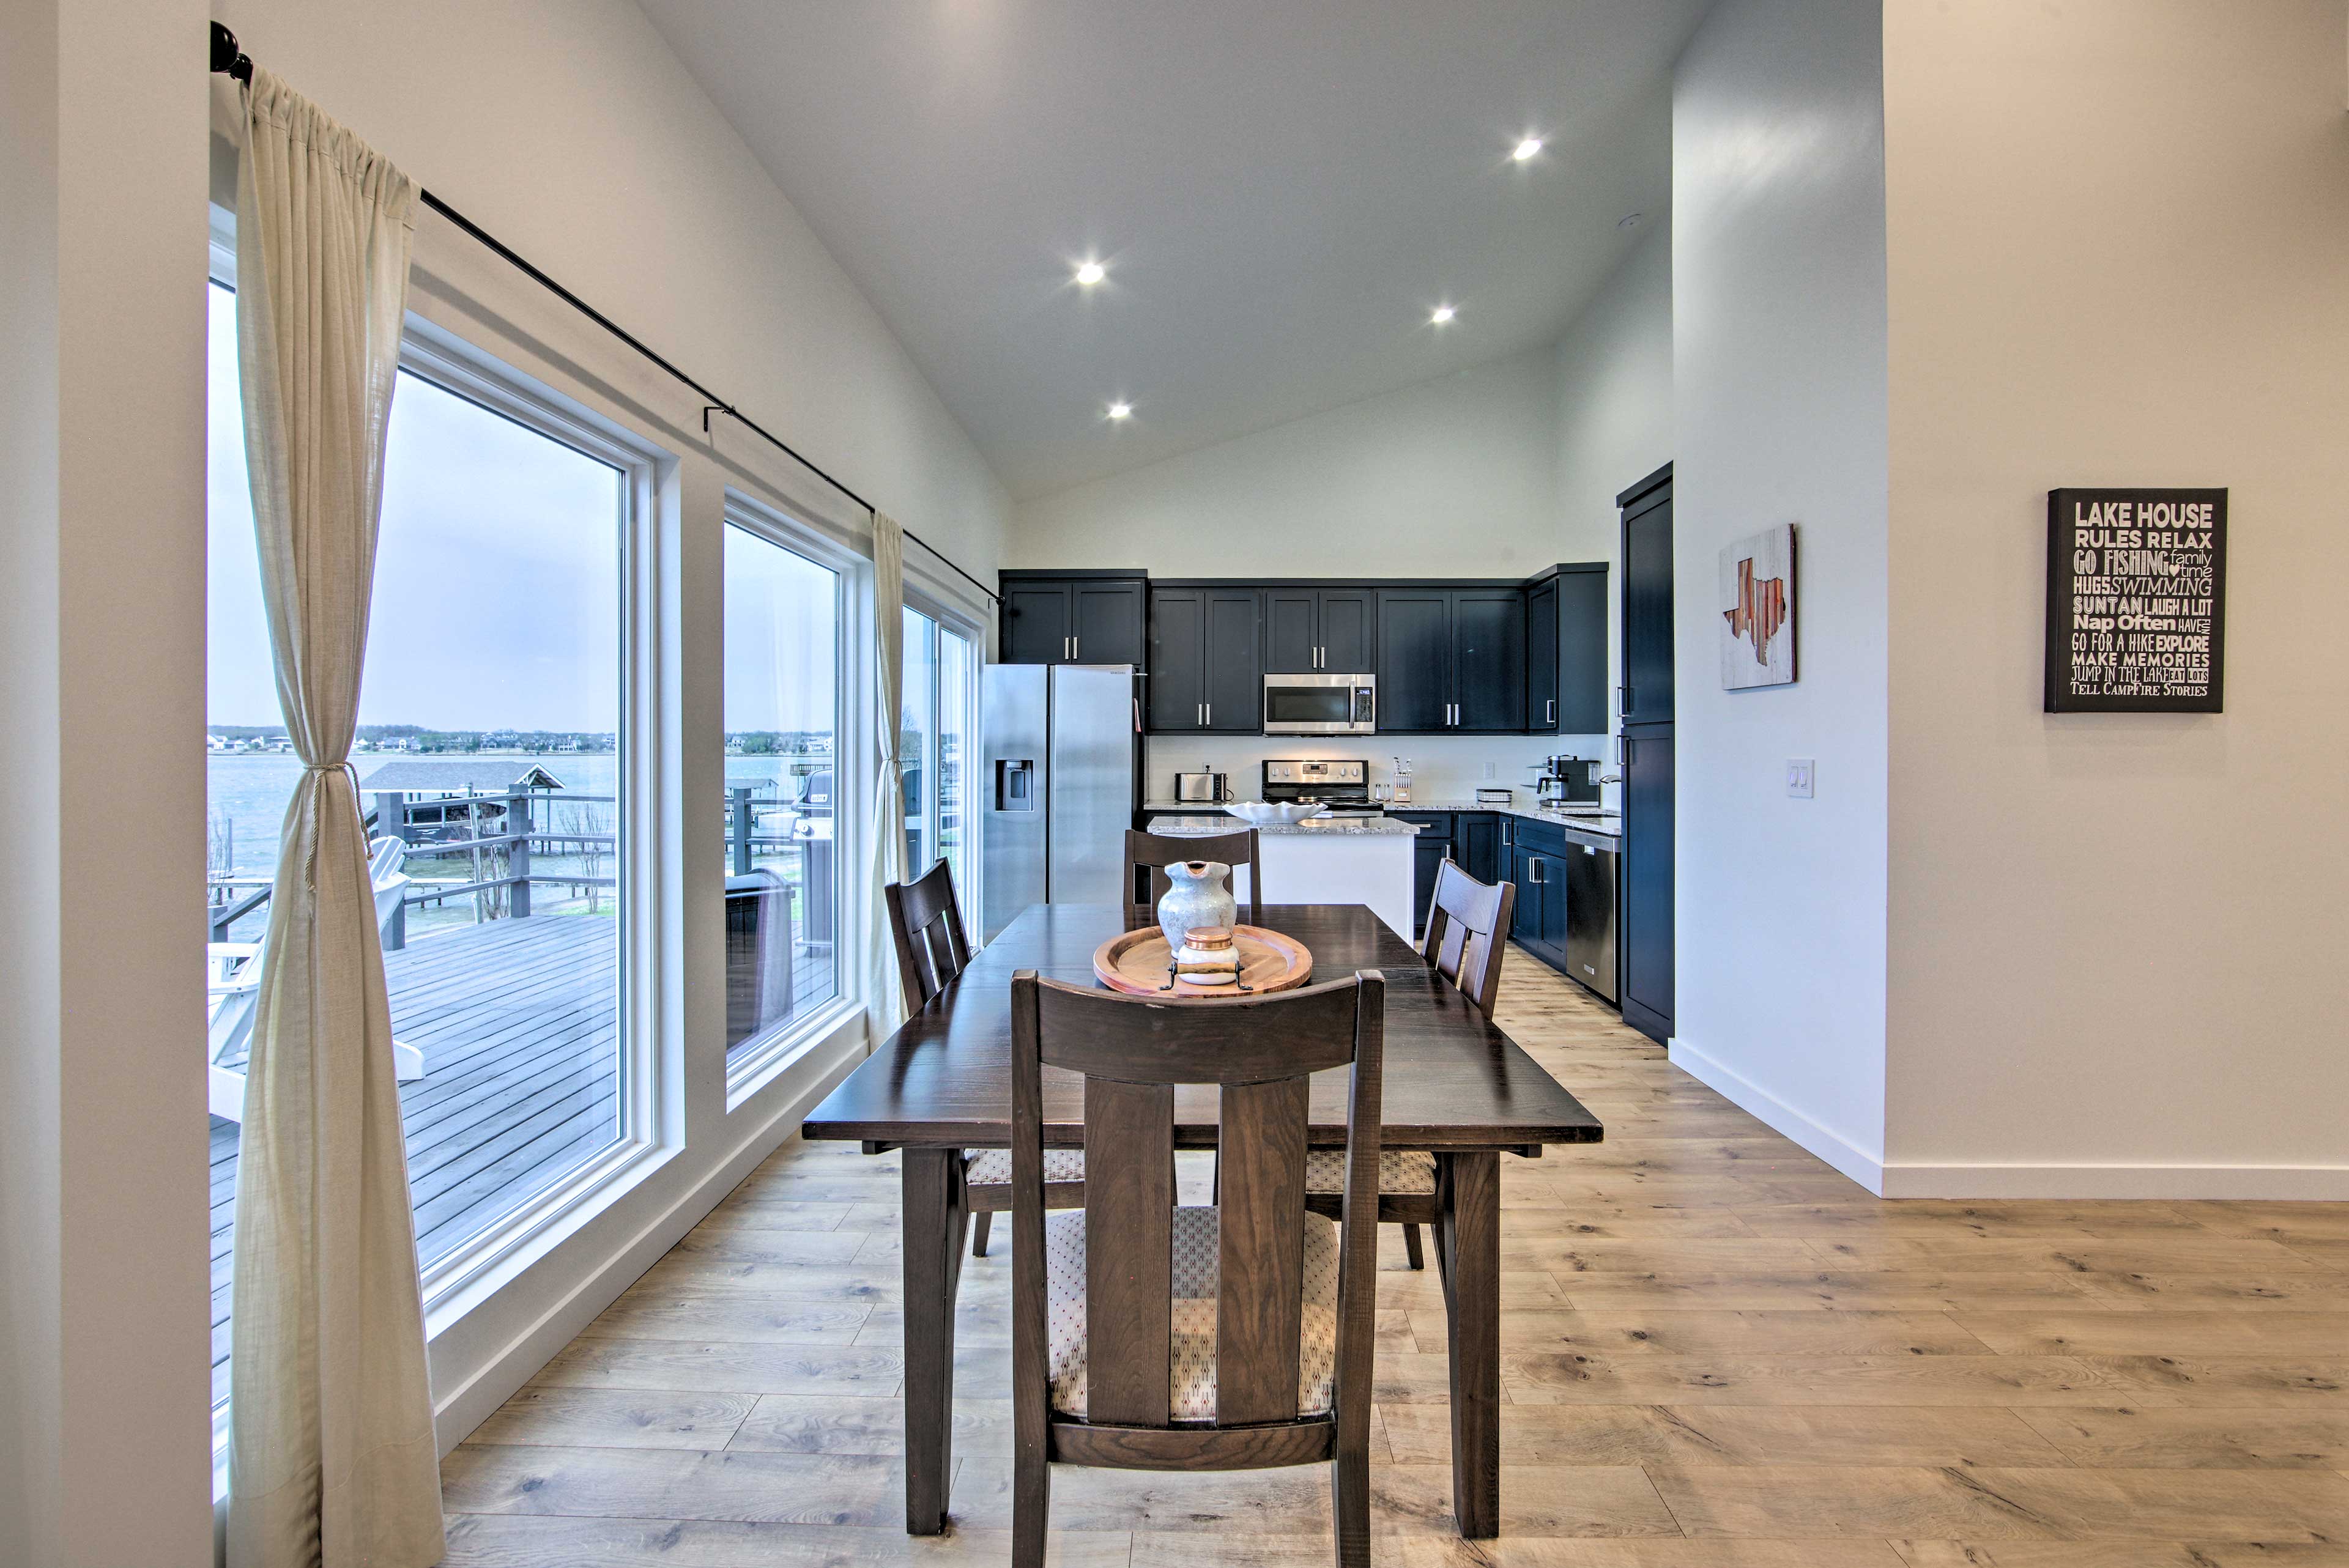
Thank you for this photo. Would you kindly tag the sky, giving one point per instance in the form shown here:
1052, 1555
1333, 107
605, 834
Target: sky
497, 588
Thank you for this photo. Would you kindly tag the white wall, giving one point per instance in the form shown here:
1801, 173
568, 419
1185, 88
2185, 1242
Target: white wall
570, 131
1452, 478
1615, 397
104, 1274
1779, 378
2116, 939
1614, 420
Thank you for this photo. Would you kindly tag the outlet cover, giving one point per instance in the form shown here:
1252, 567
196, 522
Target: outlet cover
1491, 771
1799, 778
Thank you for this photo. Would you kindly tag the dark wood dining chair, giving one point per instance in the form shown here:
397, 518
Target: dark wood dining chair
1157, 851
1467, 931
925, 922
1148, 1335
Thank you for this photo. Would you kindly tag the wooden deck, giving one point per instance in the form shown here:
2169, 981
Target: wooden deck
516, 1021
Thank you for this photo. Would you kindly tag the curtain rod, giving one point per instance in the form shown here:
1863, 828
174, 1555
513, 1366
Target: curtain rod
228, 60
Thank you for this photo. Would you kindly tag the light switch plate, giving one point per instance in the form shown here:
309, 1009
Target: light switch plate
1799, 778
1491, 771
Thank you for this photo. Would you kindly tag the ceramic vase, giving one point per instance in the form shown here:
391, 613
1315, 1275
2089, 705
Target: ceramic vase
1198, 896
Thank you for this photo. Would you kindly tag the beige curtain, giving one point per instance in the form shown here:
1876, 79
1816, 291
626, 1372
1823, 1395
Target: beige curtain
884, 1005
331, 1453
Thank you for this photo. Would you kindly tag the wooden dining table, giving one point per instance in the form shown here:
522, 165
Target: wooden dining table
1454, 1085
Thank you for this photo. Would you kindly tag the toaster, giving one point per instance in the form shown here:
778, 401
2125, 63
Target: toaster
1213, 788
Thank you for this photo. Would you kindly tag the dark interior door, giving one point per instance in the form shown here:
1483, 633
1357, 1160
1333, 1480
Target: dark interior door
1414, 666
1291, 632
1234, 671
1107, 622
1645, 941
1541, 658
1178, 696
1348, 616
1648, 607
1036, 623
1488, 660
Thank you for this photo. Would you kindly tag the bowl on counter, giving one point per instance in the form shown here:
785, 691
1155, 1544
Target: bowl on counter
1266, 813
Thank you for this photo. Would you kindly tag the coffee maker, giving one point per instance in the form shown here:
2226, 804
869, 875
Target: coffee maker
1567, 781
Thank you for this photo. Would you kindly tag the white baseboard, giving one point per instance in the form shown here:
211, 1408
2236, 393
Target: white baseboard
2285, 1183
1911, 1179
1862, 1167
514, 1364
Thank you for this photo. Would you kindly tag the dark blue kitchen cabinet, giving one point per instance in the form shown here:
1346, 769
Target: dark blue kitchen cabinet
1414, 665
1315, 631
1205, 669
1476, 845
1073, 618
1452, 660
1566, 651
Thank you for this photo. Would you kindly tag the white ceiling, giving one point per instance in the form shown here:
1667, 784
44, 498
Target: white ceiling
1282, 190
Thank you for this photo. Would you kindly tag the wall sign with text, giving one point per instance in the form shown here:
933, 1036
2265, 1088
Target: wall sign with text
2137, 599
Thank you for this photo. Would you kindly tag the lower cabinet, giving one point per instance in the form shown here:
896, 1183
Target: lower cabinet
1476, 845
1428, 852
1566, 904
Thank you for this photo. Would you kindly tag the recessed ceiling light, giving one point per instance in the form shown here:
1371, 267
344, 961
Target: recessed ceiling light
1440, 315
1523, 152
1091, 273
1121, 410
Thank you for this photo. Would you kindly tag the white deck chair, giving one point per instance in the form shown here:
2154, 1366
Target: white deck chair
234, 989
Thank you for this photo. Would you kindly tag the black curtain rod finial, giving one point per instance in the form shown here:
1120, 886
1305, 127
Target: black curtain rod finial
227, 58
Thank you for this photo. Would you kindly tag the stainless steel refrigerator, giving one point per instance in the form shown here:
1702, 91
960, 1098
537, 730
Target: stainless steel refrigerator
1060, 783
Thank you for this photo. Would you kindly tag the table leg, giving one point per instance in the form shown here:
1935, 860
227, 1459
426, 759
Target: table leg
1468, 1246
937, 1205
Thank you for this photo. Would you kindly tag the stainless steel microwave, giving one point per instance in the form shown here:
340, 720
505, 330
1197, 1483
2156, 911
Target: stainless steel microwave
1321, 705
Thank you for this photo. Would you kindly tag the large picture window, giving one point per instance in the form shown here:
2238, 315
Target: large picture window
489, 767
782, 731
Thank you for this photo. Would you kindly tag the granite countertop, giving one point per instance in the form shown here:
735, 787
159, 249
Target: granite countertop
1207, 824
1587, 819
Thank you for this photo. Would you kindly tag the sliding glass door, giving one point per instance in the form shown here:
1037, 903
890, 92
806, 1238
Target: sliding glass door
938, 706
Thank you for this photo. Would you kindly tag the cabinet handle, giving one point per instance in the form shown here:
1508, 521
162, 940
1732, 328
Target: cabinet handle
1623, 695
1553, 712
1211, 713
1199, 715
1533, 871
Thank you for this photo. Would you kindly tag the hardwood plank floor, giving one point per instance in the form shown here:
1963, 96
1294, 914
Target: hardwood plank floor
1718, 1352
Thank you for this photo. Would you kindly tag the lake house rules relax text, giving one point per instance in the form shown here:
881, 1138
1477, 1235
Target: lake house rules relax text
2137, 599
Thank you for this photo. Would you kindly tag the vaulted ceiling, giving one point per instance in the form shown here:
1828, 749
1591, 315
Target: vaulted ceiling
1281, 192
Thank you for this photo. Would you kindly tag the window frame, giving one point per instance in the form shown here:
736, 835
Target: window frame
760, 1059
946, 615
649, 1128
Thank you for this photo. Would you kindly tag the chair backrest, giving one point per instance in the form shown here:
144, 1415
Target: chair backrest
1157, 851
384, 857
1467, 931
927, 924
1259, 1051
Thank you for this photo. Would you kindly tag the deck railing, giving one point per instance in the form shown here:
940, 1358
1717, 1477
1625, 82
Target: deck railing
432, 832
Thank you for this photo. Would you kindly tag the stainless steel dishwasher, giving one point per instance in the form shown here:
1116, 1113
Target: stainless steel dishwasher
1590, 916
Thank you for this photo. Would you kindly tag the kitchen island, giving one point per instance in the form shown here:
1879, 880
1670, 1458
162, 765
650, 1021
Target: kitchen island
1323, 859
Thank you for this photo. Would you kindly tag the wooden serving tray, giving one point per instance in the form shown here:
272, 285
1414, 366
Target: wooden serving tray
1135, 962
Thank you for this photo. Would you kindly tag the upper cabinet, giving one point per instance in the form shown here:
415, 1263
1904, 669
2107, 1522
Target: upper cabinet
1452, 660
1073, 618
1205, 662
1646, 694
1566, 651
1319, 629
